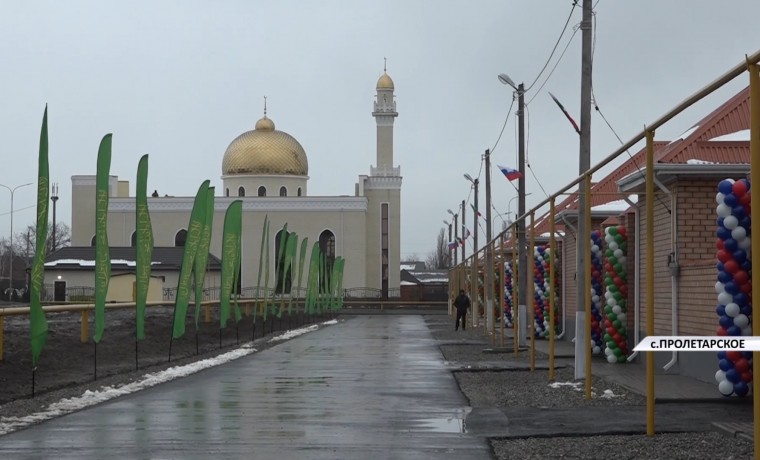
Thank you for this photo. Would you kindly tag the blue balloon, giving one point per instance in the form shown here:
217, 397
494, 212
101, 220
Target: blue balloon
726, 321
739, 212
741, 299
725, 187
722, 355
734, 331
723, 233
747, 354
719, 221
740, 255
733, 376
747, 183
719, 266
725, 365
745, 310
730, 200
731, 287
724, 277
720, 310
746, 222
746, 265
741, 388
730, 244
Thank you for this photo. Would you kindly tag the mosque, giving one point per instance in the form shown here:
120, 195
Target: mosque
268, 170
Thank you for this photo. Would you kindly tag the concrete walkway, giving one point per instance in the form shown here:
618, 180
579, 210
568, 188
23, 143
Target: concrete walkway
373, 387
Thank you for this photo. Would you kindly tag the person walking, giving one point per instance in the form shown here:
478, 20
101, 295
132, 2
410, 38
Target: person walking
462, 302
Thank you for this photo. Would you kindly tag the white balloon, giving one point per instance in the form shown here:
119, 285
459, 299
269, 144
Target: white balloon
611, 302
720, 376
611, 359
609, 238
747, 331
613, 246
621, 317
732, 310
724, 211
608, 351
741, 321
594, 248
607, 294
595, 299
720, 287
726, 388
719, 198
622, 260
617, 310
724, 298
746, 243
618, 253
596, 350
730, 222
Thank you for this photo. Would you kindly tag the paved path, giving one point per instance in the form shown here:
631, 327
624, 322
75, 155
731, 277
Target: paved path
370, 387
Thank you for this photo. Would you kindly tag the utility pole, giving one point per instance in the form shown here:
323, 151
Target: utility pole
456, 238
488, 262
584, 164
522, 246
464, 234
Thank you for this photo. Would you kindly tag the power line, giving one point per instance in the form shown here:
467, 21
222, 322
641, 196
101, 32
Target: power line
509, 111
548, 60
538, 91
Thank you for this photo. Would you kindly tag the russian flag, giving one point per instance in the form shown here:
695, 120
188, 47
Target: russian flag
453, 244
509, 173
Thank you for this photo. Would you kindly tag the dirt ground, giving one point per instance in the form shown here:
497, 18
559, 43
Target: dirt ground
66, 361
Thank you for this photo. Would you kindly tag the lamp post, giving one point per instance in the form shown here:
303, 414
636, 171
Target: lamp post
464, 233
522, 258
54, 199
10, 276
473, 291
456, 234
448, 241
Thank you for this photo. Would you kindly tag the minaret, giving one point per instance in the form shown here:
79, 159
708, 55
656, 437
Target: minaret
385, 113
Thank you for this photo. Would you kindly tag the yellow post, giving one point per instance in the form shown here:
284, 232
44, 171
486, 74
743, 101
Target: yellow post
485, 287
587, 268
552, 267
502, 294
492, 267
515, 291
85, 320
247, 309
649, 268
530, 302
754, 147
2, 338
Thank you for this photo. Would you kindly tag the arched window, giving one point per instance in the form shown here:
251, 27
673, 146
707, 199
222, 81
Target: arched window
180, 238
327, 248
92, 241
133, 239
281, 268
299, 191
227, 192
241, 191
262, 191
283, 191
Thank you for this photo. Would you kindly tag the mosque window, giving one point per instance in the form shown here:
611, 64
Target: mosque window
299, 191
227, 192
92, 241
262, 191
384, 247
180, 238
280, 243
241, 191
133, 239
283, 191
327, 246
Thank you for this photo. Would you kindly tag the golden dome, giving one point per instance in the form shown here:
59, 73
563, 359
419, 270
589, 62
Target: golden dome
385, 82
265, 151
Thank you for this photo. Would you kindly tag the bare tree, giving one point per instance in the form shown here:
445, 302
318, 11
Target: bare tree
439, 258
25, 242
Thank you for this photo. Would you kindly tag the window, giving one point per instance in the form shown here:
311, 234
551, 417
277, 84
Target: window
281, 268
180, 238
241, 191
262, 191
283, 191
227, 192
384, 247
327, 248
92, 241
133, 240
299, 191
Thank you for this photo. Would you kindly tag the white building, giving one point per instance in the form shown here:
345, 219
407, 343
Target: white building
268, 169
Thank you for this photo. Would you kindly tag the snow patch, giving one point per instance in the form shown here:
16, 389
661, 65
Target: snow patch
695, 161
574, 385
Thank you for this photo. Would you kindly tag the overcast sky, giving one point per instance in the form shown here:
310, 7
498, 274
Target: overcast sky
180, 79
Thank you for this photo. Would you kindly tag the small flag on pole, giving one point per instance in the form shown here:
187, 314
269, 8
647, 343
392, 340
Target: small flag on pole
467, 233
475, 210
452, 244
562, 108
509, 173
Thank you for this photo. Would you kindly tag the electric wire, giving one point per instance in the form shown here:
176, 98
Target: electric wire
548, 60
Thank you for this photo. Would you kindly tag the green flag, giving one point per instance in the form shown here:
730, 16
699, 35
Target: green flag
201, 259
266, 271
301, 260
230, 249
290, 251
261, 263
281, 268
194, 231
102, 253
37, 322
144, 243
238, 260
313, 280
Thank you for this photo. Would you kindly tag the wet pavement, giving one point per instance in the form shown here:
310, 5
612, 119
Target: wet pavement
374, 386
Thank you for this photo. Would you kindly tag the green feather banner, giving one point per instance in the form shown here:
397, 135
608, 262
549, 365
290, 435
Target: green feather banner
290, 252
102, 252
230, 250
261, 264
194, 231
266, 271
201, 258
281, 268
238, 260
301, 260
313, 284
144, 243
37, 322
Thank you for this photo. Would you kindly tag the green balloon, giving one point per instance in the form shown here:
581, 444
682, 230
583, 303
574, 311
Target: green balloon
617, 267
617, 351
617, 324
621, 359
609, 253
613, 230
617, 295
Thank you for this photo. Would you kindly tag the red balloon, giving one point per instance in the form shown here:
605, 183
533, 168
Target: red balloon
741, 277
719, 243
617, 338
746, 377
723, 255
618, 281
741, 365
731, 266
611, 330
745, 199
746, 288
739, 188
734, 356
621, 230
722, 331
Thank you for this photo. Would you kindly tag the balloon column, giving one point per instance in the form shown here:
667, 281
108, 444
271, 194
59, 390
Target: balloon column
615, 280
509, 290
734, 287
540, 291
596, 291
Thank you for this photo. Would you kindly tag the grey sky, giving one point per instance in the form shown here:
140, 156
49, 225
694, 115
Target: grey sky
180, 79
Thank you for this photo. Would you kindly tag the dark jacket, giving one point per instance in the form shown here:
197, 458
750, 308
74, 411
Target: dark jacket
462, 302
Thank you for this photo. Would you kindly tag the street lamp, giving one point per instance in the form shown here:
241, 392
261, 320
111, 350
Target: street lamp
509, 206
475, 183
10, 276
522, 257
